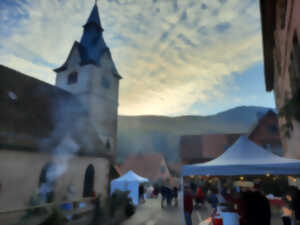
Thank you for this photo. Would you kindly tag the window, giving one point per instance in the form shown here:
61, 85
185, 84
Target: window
72, 78
294, 68
105, 82
282, 8
296, 52
88, 183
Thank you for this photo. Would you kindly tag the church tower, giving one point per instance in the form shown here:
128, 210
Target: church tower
90, 74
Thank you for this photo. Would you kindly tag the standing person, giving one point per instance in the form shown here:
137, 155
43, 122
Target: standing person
156, 191
175, 196
199, 198
163, 192
213, 199
188, 205
193, 187
286, 215
257, 209
293, 197
141, 193
169, 195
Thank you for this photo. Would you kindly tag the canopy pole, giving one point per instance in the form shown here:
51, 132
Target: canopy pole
182, 200
219, 186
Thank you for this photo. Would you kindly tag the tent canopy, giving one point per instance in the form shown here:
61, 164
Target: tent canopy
131, 176
244, 158
128, 182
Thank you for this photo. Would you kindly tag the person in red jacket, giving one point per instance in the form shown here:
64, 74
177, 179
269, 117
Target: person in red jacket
199, 198
188, 205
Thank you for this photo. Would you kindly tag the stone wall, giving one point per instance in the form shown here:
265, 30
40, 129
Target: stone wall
20, 174
287, 26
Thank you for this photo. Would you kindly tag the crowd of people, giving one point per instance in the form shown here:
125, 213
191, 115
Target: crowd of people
169, 195
252, 206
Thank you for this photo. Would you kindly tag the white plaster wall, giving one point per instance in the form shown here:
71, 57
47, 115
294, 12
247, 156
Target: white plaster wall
101, 102
20, 172
83, 84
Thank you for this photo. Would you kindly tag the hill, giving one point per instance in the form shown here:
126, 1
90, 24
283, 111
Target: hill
162, 134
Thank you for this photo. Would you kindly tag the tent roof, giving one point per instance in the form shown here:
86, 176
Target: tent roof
131, 176
244, 158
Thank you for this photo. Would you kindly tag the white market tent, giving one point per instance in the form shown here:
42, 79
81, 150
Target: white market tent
244, 157
128, 182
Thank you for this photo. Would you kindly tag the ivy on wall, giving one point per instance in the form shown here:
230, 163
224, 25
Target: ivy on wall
290, 110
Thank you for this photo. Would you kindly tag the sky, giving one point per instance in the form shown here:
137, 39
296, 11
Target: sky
176, 57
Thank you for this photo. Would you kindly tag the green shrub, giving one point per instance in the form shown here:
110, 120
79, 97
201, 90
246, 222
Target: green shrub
121, 200
55, 218
113, 210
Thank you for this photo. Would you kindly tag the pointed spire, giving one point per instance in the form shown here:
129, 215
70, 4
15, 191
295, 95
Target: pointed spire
92, 41
94, 17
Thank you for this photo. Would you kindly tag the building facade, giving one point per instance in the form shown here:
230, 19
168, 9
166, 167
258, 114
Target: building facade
281, 48
266, 133
57, 143
150, 165
202, 148
89, 73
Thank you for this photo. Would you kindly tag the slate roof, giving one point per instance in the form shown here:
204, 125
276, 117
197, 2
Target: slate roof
94, 17
35, 115
92, 45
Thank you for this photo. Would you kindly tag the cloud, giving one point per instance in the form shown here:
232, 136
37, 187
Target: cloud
171, 53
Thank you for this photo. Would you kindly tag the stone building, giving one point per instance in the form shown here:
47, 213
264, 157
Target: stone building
58, 142
265, 133
150, 165
281, 34
202, 148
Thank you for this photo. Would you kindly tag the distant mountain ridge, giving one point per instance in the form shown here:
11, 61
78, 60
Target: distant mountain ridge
161, 133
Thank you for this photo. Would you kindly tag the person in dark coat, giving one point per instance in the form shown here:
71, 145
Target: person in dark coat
188, 205
257, 210
169, 195
293, 197
213, 199
141, 193
175, 196
163, 192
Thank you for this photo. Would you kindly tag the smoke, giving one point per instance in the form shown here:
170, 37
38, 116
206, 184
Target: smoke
62, 154
71, 132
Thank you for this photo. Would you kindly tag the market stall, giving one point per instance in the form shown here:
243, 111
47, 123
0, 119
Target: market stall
244, 158
128, 182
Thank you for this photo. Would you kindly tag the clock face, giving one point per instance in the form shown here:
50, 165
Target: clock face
105, 82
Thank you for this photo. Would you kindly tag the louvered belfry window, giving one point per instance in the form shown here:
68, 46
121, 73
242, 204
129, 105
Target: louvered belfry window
72, 78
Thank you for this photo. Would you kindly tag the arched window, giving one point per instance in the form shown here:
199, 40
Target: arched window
47, 182
88, 185
294, 68
72, 78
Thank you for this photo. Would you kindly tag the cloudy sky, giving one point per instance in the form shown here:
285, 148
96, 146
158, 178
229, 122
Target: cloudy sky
176, 56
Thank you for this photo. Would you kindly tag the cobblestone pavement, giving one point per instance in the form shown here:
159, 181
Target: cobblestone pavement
151, 213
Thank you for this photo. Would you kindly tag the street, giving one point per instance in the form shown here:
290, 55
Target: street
151, 213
